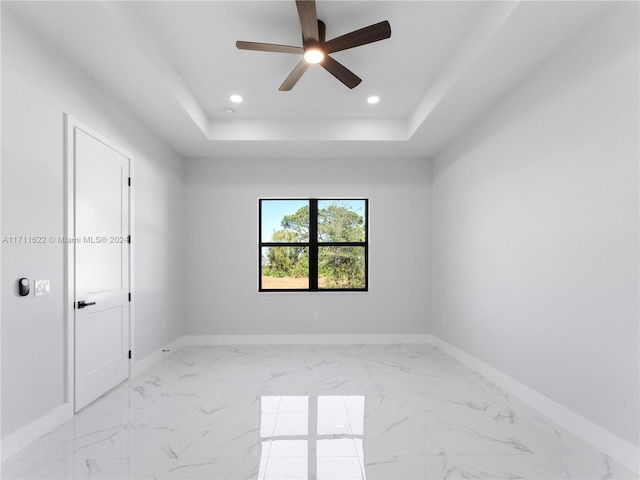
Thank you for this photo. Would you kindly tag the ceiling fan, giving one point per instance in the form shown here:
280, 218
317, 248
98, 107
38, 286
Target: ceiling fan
315, 49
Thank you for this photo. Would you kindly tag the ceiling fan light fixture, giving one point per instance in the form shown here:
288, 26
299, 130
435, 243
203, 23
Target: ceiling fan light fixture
373, 99
317, 50
313, 55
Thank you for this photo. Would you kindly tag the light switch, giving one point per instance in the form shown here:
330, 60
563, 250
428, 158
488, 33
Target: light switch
41, 288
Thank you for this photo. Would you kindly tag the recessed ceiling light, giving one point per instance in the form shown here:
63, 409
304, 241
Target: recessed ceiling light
229, 111
235, 98
313, 55
373, 99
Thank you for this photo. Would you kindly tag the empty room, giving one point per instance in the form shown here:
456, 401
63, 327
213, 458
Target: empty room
328, 240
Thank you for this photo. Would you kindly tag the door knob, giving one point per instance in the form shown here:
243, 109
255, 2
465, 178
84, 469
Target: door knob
82, 304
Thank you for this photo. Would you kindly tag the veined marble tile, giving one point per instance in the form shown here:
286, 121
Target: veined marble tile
588, 466
289, 448
336, 447
351, 412
474, 435
389, 434
83, 437
187, 469
166, 399
541, 434
292, 468
404, 467
539, 467
39, 469
199, 436
337, 468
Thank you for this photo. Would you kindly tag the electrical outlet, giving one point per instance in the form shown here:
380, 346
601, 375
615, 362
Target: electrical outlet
316, 315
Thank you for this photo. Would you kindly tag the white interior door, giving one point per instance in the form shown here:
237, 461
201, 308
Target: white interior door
101, 267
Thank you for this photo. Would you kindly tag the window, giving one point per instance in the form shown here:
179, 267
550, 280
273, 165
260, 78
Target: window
313, 245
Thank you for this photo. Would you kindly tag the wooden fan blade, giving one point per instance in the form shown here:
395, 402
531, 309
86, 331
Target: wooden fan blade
322, 30
341, 72
268, 47
370, 34
308, 21
294, 76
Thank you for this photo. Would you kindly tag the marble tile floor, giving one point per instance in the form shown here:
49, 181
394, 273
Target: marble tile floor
344, 412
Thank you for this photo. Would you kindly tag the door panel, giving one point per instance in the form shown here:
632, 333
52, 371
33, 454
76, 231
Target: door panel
106, 325
101, 268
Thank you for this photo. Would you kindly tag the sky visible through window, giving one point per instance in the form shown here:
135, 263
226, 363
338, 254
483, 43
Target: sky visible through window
273, 211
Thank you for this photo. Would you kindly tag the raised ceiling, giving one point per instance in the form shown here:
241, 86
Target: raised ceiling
174, 64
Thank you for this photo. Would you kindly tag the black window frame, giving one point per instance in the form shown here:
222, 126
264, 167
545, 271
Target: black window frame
313, 245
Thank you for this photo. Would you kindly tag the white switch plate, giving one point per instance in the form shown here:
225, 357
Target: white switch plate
41, 288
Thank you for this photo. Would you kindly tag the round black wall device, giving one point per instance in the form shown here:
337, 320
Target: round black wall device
23, 287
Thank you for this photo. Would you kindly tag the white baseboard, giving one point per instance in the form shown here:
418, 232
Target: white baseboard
140, 366
615, 447
16, 441
347, 339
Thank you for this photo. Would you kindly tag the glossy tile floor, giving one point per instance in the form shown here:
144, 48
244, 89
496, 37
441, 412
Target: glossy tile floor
299, 412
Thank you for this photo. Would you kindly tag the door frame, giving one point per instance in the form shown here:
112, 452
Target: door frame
70, 124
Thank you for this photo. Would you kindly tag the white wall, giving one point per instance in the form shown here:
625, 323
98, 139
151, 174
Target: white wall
222, 257
38, 86
535, 221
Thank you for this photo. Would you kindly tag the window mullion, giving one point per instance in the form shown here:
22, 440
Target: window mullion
313, 244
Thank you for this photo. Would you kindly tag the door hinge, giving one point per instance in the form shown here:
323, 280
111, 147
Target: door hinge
129, 354
129, 181
129, 239
129, 296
